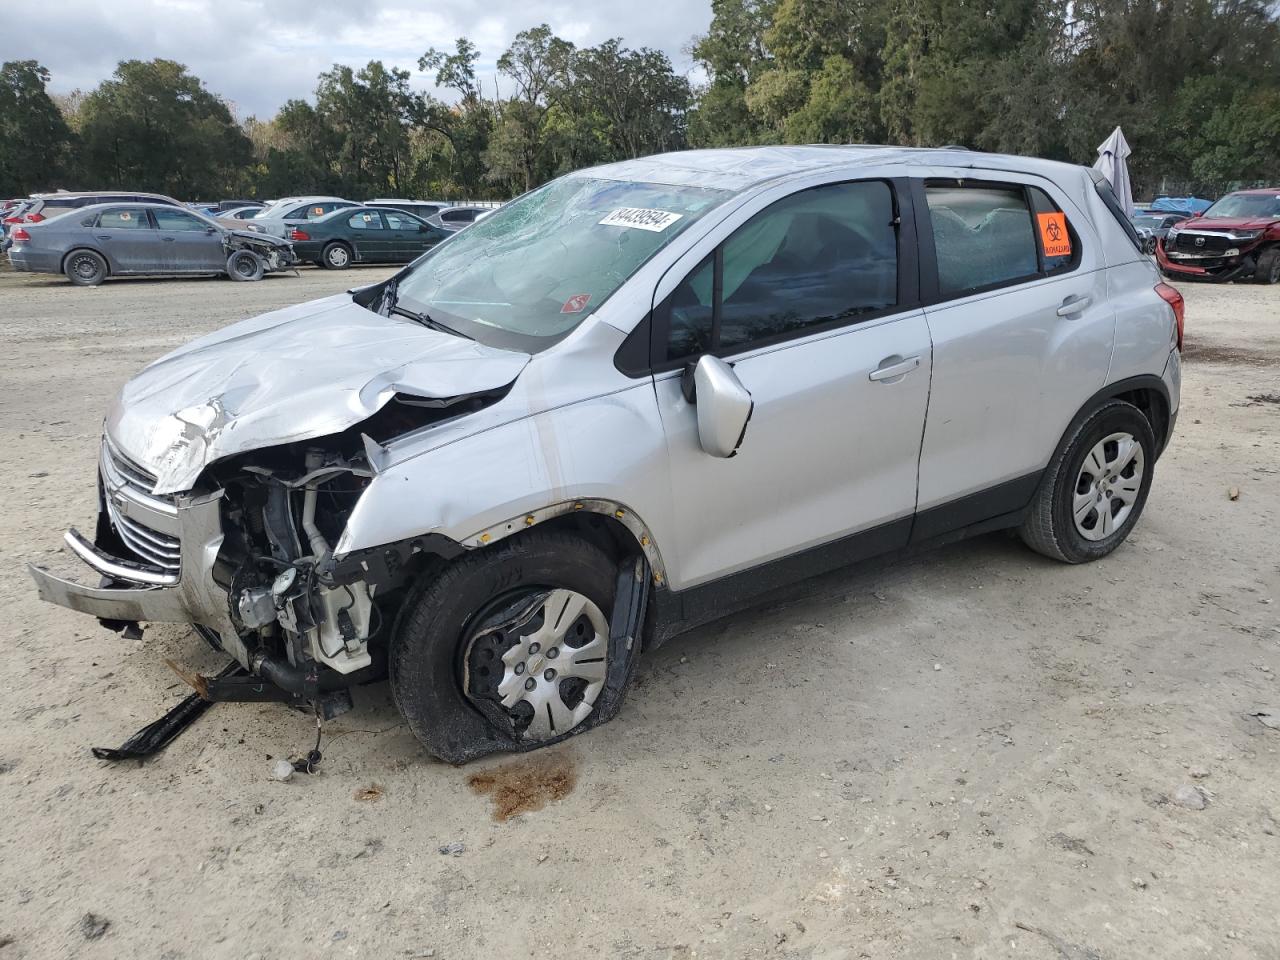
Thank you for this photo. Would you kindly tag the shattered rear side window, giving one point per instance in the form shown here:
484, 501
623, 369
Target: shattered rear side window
533, 270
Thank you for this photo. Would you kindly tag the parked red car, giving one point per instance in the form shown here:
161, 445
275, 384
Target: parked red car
1237, 237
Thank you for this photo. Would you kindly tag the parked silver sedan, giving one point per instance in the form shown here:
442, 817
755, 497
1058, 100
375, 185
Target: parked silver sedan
124, 239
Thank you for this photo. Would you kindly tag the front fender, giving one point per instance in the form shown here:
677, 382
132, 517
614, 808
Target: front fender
604, 455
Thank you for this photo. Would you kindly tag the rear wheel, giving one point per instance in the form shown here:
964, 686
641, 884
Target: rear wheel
85, 268
1094, 490
510, 649
1268, 268
245, 265
336, 256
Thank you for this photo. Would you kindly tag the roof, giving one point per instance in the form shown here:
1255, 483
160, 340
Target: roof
60, 194
736, 168
308, 198
143, 204
1259, 190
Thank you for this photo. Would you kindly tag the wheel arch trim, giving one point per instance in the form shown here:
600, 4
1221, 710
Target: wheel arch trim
1118, 390
644, 540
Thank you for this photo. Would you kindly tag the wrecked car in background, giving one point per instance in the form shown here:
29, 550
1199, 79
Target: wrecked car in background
625, 404
93, 243
1237, 238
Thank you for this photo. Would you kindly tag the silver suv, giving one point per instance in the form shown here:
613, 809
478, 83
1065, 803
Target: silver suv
626, 404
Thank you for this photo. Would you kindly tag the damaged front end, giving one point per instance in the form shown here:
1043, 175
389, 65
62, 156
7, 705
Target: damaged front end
275, 254
247, 557
228, 472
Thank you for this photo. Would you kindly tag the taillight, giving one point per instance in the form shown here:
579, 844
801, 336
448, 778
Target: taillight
33, 218
11, 220
296, 234
19, 234
1174, 299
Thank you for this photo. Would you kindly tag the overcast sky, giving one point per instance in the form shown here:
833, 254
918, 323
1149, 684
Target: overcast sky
259, 53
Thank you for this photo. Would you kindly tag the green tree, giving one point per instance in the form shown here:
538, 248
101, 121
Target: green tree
467, 126
642, 101
1132, 59
369, 112
519, 150
35, 141
733, 55
154, 126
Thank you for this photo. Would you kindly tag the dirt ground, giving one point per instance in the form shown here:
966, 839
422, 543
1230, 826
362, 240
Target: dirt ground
972, 753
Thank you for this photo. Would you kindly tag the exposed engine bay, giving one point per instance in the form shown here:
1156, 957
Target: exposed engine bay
274, 253
282, 511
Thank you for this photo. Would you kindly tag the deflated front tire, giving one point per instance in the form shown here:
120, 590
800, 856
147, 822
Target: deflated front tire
509, 649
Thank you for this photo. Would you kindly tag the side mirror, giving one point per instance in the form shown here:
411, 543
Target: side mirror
423, 228
724, 405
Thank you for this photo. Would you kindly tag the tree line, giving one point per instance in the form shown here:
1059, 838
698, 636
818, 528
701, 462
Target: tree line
1194, 83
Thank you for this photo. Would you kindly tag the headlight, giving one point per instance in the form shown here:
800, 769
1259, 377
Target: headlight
1245, 234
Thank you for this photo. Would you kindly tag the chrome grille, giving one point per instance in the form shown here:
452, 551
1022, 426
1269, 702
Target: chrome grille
147, 524
1203, 243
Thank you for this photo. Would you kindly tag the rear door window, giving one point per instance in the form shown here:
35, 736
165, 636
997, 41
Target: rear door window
984, 236
399, 221
365, 220
124, 218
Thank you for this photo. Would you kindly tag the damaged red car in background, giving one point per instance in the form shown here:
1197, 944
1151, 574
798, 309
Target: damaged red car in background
1235, 239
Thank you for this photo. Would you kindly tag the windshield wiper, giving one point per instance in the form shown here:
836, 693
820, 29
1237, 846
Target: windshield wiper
427, 321
390, 304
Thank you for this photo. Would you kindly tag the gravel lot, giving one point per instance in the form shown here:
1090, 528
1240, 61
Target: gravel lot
972, 753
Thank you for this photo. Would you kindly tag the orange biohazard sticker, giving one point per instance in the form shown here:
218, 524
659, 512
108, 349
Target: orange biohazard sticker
1054, 236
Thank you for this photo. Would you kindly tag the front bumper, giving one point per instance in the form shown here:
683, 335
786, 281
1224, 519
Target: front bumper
189, 596
1209, 266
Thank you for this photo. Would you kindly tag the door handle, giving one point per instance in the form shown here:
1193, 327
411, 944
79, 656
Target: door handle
897, 368
103, 236
167, 239
1073, 305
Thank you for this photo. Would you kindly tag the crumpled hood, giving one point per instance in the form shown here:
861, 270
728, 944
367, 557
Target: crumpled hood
1226, 223
304, 371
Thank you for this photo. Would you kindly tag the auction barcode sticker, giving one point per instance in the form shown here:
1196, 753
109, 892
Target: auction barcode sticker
640, 218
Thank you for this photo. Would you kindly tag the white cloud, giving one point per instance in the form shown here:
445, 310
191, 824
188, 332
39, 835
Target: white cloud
259, 53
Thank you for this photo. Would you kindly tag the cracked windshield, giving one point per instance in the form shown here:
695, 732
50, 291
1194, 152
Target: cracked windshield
529, 273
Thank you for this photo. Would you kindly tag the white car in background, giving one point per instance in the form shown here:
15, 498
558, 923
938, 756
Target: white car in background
455, 218
283, 215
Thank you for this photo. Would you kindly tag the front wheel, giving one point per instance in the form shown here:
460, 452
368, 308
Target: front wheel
1095, 488
510, 649
245, 265
1268, 268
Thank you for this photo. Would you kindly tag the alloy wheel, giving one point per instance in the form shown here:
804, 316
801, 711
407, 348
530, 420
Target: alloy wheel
1107, 486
